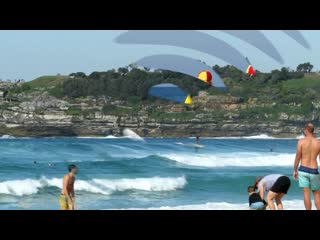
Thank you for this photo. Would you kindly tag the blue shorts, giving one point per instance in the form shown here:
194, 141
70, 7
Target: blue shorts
309, 178
257, 206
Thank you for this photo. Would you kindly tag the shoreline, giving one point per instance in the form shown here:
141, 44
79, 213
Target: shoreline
294, 204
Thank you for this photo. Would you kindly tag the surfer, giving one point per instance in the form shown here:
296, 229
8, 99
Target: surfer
67, 197
308, 150
198, 140
276, 186
34, 162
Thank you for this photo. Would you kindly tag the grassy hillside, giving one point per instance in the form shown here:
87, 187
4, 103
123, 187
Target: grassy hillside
266, 97
310, 81
47, 81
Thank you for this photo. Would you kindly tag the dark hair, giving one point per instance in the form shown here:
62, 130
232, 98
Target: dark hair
256, 182
71, 167
251, 189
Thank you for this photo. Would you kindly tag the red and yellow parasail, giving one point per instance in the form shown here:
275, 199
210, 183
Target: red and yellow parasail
205, 76
251, 71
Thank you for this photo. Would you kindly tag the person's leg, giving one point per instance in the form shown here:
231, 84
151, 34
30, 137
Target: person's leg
315, 187
278, 201
270, 197
305, 184
63, 202
316, 195
307, 198
70, 205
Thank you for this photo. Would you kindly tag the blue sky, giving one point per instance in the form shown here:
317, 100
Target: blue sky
30, 54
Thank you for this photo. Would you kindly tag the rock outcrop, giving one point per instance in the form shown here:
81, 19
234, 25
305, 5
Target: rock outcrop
43, 115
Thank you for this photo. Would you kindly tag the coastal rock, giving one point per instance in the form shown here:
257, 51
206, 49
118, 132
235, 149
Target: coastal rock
297, 118
39, 114
44, 101
283, 116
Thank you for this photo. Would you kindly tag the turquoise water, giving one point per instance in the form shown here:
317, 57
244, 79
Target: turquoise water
122, 173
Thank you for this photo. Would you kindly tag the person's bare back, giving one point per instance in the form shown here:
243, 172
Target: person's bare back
310, 149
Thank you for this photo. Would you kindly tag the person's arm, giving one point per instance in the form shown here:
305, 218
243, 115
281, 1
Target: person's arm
73, 199
72, 193
261, 191
73, 196
297, 159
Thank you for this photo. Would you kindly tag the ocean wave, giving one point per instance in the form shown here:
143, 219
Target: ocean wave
99, 186
287, 204
300, 136
261, 136
226, 160
7, 137
131, 134
97, 137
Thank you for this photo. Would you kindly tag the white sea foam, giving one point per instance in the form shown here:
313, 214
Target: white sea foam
225, 160
300, 136
261, 136
7, 136
99, 186
288, 205
111, 137
96, 137
20, 187
131, 134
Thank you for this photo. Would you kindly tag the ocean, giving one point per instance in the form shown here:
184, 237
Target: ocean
131, 173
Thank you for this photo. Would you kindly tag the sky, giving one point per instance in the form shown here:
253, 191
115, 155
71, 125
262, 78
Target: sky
29, 54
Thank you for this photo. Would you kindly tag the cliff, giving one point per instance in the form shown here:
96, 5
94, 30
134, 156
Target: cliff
39, 114
276, 103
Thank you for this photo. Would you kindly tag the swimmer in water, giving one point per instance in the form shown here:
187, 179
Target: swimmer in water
197, 140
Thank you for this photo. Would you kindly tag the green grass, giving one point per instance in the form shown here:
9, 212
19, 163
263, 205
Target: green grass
74, 111
47, 81
302, 83
119, 111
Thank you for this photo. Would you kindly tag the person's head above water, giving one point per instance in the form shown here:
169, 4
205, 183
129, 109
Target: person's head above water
72, 168
251, 189
308, 129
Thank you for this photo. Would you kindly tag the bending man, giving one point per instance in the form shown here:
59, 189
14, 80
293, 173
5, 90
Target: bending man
276, 185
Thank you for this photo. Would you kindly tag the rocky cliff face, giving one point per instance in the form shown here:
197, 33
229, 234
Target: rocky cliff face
39, 114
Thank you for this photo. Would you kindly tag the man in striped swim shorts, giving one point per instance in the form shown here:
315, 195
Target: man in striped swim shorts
308, 176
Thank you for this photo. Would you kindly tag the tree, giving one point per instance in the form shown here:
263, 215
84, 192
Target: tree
123, 71
78, 74
305, 67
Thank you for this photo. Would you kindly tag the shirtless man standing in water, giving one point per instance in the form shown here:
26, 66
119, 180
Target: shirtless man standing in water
67, 197
308, 150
